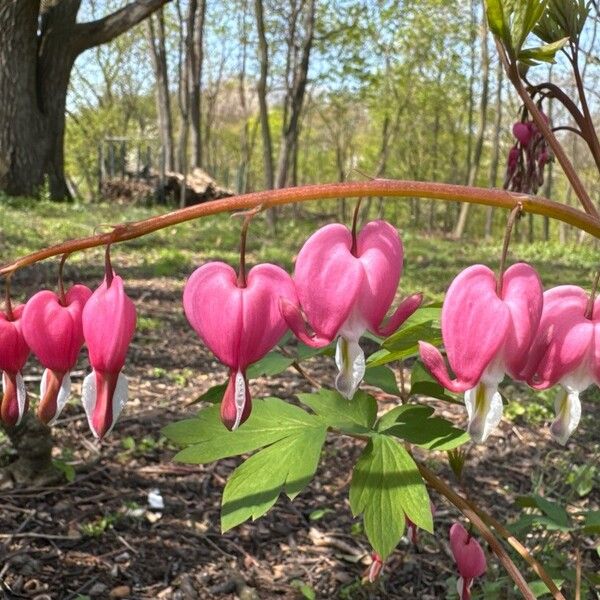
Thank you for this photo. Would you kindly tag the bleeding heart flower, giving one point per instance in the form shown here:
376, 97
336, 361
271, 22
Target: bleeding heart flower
485, 336
469, 558
13, 356
109, 319
374, 571
239, 324
566, 351
523, 132
412, 531
54, 333
345, 291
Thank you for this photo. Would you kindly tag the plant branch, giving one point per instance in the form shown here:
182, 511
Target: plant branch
480, 520
378, 187
512, 71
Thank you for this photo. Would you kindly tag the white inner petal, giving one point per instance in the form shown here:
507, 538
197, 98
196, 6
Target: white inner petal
239, 398
21, 394
89, 398
484, 407
567, 407
63, 393
119, 399
350, 361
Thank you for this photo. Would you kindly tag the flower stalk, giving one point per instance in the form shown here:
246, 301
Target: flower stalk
386, 188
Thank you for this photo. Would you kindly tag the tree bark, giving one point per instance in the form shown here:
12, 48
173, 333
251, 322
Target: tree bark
483, 105
261, 88
195, 75
39, 46
495, 160
158, 53
296, 91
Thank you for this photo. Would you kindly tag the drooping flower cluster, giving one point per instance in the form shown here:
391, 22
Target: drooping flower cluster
527, 158
538, 338
55, 328
341, 285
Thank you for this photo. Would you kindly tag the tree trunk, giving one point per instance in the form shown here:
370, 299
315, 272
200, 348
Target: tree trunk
474, 166
39, 46
195, 74
291, 127
33, 443
158, 53
261, 88
495, 160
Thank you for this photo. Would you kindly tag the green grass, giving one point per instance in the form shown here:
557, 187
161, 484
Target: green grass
430, 263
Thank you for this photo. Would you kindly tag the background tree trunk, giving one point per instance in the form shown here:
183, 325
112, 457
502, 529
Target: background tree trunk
158, 53
483, 104
195, 85
261, 88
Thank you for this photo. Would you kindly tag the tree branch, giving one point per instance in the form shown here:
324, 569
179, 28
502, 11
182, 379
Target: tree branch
101, 31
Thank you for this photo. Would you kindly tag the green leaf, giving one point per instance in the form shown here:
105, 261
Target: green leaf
382, 378
67, 469
386, 485
496, 20
539, 588
271, 364
207, 439
340, 413
526, 15
546, 53
557, 516
408, 337
305, 352
213, 395
422, 383
414, 423
404, 343
287, 465
424, 314
592, 522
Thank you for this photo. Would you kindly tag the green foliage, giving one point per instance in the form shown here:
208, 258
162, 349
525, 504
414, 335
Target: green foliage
422, 383
206, 438
350, 416
383, 378
286, 443
423, 325
67, 469
562, 19
514, 20
287, 465
415, 424
386, 486
271, 364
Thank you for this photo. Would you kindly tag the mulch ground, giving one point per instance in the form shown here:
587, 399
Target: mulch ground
97, 537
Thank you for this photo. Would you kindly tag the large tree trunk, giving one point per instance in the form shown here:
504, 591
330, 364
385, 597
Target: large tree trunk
24, 143
37, 50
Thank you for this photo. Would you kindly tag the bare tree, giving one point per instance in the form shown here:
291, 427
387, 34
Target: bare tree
483, 105
299, 44
155, 35
261, 88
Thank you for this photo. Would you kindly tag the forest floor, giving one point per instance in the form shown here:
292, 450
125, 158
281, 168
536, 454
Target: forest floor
96, 536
